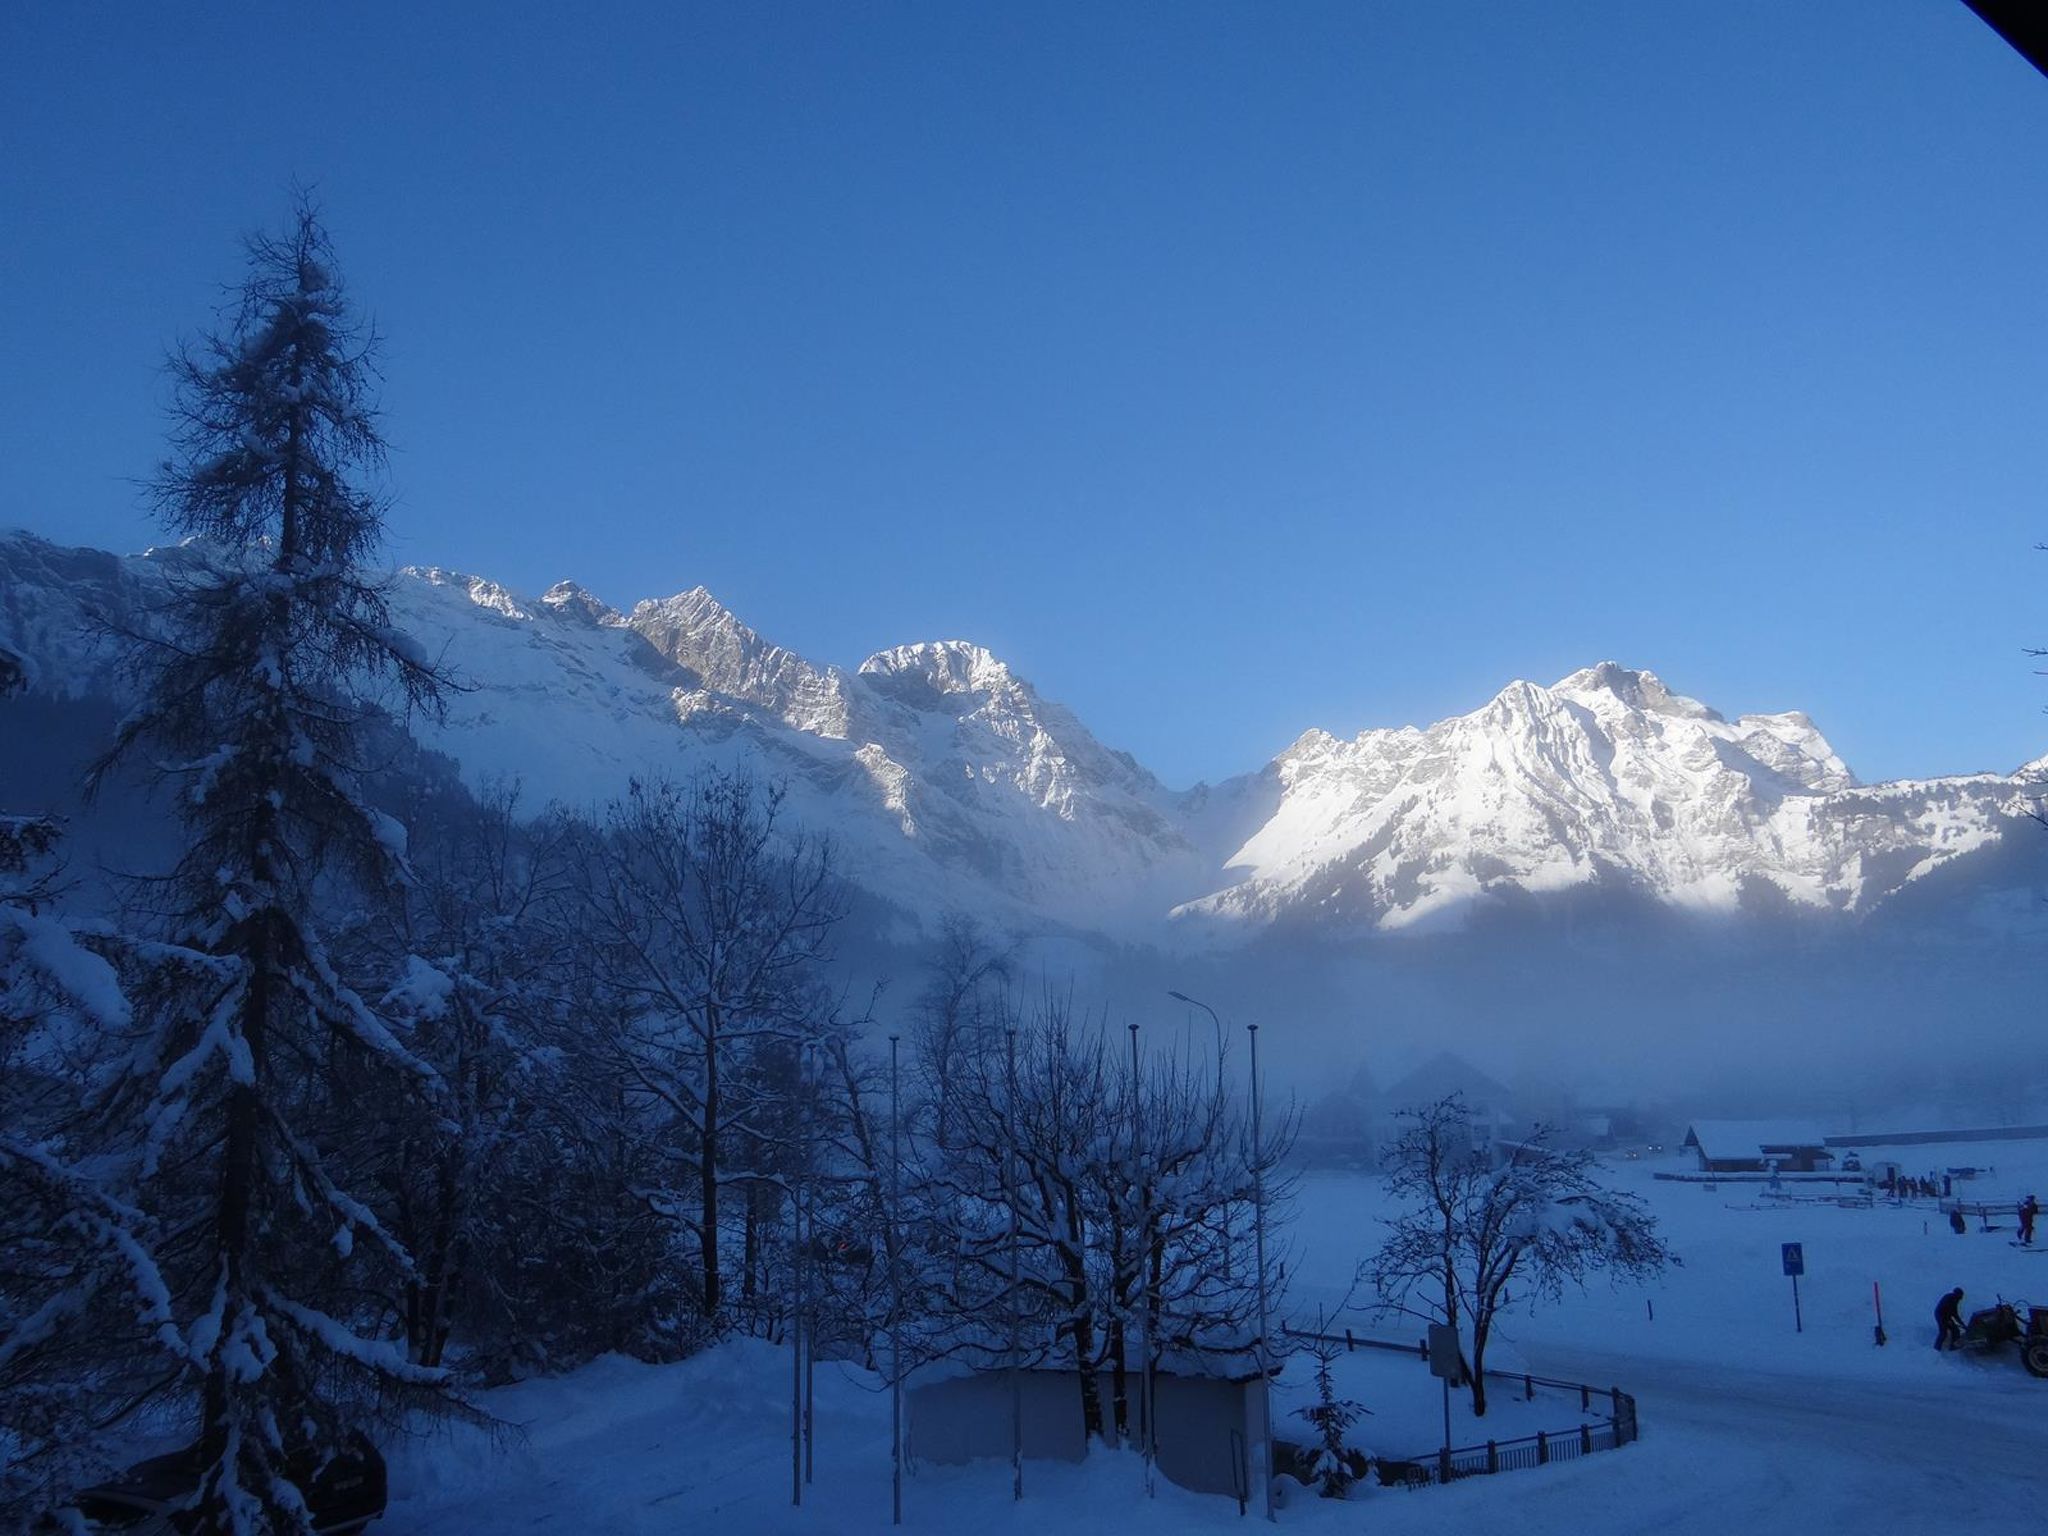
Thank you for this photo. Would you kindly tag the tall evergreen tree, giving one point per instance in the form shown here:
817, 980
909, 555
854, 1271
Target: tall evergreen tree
74, 1260
276, 665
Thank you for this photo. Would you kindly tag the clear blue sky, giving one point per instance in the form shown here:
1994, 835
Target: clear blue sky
1230, 369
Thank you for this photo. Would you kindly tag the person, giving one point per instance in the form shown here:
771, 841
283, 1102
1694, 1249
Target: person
1948, 1320
2029, 1209
1956, 1224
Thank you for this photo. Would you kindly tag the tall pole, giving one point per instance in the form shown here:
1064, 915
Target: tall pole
810, 1353
1259, 1231
895, 1293
799, 1404
796, 1334
1229, 1248
1144, 1187
1010, 1199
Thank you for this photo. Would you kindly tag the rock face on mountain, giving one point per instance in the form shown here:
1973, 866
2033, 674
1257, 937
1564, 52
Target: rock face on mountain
946, 780
1606, 776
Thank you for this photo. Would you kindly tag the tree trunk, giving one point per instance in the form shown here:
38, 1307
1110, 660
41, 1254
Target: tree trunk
1084, 1368
1073, 1250
1480, 1330
237, 1197
439, 1270
707, 1167
750, 1249
1119, 1383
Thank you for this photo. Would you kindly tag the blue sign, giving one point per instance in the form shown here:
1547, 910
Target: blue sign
1795, 1258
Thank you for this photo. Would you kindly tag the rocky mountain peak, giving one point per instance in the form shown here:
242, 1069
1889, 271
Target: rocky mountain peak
568, 600
700, 634
1633, 688
943, 667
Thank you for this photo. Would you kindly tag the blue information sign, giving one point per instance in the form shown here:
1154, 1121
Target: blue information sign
1795, 1258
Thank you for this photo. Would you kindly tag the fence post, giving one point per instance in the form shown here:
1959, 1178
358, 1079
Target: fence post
1492, 1457
1585, 1440
1542, 1447
1348, 1346
1528, 1389
1585, 1397
1443, 1466
1614, 1396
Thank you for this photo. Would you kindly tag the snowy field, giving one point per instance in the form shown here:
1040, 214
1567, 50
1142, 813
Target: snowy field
1747, 1426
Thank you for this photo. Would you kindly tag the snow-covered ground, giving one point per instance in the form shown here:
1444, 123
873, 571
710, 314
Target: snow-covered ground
1747, 1426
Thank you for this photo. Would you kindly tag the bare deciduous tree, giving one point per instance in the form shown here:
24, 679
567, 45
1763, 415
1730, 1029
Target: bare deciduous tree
1537, 1218
711, 920
1130, 1186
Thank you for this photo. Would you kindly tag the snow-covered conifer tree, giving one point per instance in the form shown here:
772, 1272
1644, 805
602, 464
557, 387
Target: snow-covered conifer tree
86, 1321
272, 665
1333, 1463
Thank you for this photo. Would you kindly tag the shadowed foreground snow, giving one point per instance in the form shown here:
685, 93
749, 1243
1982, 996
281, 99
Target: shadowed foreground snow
1747, 1426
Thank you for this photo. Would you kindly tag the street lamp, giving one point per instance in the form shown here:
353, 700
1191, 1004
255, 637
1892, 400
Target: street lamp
1259, 1228
1229, 1249
1195, 1002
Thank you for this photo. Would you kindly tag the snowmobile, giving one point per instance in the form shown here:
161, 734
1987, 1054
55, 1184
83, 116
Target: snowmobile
1995, 1327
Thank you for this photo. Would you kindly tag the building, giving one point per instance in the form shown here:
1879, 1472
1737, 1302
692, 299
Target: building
1490, 1103
1758, 1146
1338, 1129
1211, 1414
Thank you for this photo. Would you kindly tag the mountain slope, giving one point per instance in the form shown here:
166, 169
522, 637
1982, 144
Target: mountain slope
1605, 777
946, 780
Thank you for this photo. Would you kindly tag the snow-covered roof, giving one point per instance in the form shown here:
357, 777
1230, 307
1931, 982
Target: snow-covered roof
1443, 1074
1193, 1364
1719, 1139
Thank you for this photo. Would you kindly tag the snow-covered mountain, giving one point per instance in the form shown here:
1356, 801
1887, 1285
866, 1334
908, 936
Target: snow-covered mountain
1605, 776
947, 780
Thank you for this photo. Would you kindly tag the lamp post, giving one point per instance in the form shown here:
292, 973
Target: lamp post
1259, 1230
1229, 1249
1010, 1198
802, 1277
895, 1293
1147, 1443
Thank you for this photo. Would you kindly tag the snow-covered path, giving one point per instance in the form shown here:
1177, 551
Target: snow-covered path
1727, 1451
1964, 1451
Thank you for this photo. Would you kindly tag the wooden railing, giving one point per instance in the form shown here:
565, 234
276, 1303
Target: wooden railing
1615, 1425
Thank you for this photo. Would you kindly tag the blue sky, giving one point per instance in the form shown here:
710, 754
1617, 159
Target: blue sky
1229, 369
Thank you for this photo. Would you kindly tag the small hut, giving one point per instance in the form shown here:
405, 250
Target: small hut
1211, 1423
1758, 1146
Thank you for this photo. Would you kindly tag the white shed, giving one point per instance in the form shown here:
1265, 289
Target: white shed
1211, 1432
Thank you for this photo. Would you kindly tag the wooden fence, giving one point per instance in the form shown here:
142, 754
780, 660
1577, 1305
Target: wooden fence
1608, 1422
